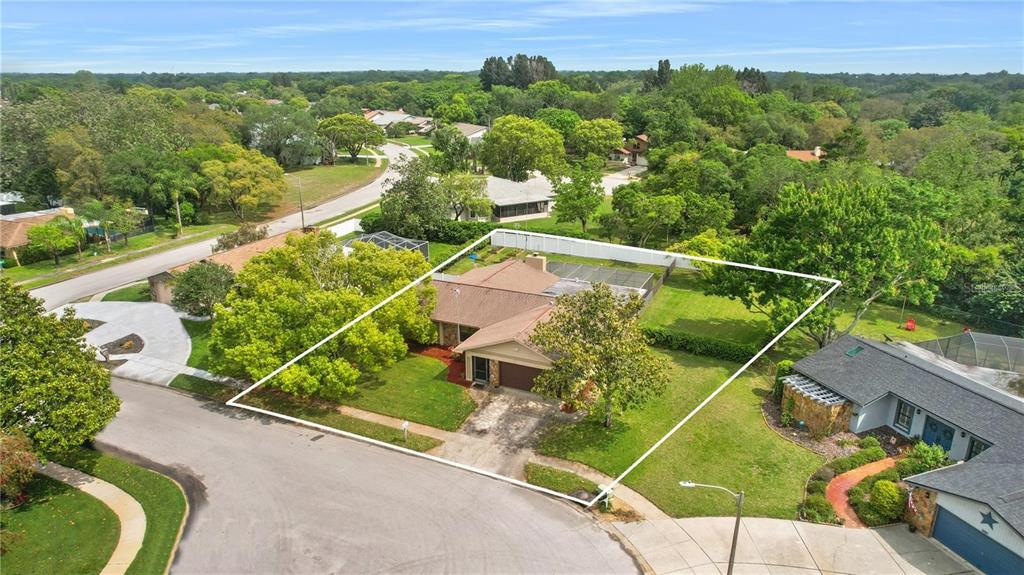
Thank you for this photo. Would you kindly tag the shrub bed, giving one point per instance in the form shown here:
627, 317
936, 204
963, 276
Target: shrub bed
698, 344
862, 457
922, 457
878, 499
817, 509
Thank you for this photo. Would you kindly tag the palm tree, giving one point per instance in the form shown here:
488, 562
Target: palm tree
74, 228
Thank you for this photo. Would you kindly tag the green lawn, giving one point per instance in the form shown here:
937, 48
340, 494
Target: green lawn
199, 331
557, 480
326, 414
161, 499
162, 239
412, 140
728, 443
681, 305
322, 183
415, 389
135, 292
204, 387
59, 529
440, 252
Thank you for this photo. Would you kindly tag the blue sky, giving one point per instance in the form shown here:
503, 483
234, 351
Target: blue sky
820, 36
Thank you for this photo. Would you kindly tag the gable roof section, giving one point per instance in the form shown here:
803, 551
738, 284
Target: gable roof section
469, 130
478, 306
994, 477
513, 275
517, 328
14, 227
508, 193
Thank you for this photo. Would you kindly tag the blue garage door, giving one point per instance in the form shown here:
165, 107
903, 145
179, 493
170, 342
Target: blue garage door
975, 546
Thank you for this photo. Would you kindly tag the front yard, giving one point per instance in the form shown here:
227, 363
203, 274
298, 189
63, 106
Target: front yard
727, 443
40, 534
321, 183
415, 389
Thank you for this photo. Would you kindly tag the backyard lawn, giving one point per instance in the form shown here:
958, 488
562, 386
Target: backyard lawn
728, 443
415, 389
137, 292
199, 332
322, 183
56, 519
161, 499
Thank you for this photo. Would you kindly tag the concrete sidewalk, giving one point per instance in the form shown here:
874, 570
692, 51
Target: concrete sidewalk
778, 546
127, 509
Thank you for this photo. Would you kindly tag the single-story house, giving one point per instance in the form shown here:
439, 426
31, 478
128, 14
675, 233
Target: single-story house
9, 202
806, 155
14, 229
472, 132
161, 285
488, 314
975, 507
385, 118
388, 240
516, 201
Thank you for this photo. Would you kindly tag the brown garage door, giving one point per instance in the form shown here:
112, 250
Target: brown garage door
518, 376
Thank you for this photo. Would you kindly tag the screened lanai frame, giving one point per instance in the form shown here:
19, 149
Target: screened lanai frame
981, 350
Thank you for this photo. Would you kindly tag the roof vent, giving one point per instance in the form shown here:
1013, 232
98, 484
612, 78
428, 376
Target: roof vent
854, 350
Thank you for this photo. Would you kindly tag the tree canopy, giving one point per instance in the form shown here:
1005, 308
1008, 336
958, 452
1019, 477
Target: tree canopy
515, 146
51, 388
351, 133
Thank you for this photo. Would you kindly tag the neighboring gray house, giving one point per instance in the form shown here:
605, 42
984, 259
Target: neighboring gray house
976, 507
516, 201
473, 132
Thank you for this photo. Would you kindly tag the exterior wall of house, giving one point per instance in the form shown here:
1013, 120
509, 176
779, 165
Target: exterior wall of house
447, 334
883, 412
970, 511
818, 417
160, 288
510, 352
921, 510
875, 414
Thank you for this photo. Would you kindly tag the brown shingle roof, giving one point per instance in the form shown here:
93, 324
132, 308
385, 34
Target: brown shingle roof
516, 328
14, 228
513, 275
236, 258
803, 155
478, 306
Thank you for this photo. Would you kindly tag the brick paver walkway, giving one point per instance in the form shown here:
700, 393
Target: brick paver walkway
841, 484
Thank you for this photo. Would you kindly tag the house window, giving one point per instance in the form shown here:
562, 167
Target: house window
465, 331
481, 369
904, 416
975, 447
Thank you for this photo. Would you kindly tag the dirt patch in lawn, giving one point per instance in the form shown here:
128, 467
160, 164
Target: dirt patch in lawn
130, 343
91, 324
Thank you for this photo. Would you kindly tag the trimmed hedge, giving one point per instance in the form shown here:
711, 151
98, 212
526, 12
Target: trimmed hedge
868, 441
862, 457
449, 232
922, 457
699, 344
816, 487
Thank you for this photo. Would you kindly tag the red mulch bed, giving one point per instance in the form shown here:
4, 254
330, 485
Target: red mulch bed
456, 367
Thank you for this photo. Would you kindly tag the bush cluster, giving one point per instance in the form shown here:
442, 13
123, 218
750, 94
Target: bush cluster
922, 457
878, 500
699, 344
816, 487
868, 441
862, 457
784, 368
817, 509
449, 232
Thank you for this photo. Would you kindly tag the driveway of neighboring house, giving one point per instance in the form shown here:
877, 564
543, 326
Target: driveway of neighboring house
166, 344
499, 436
612, 181
774, 546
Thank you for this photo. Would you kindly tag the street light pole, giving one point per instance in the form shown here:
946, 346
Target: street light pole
302, 210
739, 513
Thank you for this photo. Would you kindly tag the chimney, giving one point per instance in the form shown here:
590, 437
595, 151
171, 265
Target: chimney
817, 151
537, 262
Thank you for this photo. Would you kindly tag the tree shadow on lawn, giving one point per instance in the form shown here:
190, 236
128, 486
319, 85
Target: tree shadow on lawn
561, 439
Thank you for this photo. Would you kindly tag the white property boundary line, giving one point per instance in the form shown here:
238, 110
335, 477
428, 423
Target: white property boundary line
233, 402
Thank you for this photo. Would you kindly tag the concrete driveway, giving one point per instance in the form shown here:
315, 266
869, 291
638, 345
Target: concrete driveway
612, 181
499, 436
166, 344
270, 497
777, 546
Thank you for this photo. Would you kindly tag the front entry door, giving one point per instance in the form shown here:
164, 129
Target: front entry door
937, 433
481, 369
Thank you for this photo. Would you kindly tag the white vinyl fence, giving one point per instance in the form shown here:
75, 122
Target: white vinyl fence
536, 242
346, 227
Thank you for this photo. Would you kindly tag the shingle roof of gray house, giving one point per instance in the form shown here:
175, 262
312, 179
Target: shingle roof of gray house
864, 370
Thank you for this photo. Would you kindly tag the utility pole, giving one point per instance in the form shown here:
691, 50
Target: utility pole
739, 513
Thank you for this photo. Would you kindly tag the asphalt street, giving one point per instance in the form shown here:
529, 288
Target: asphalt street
58, 294
271, 497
